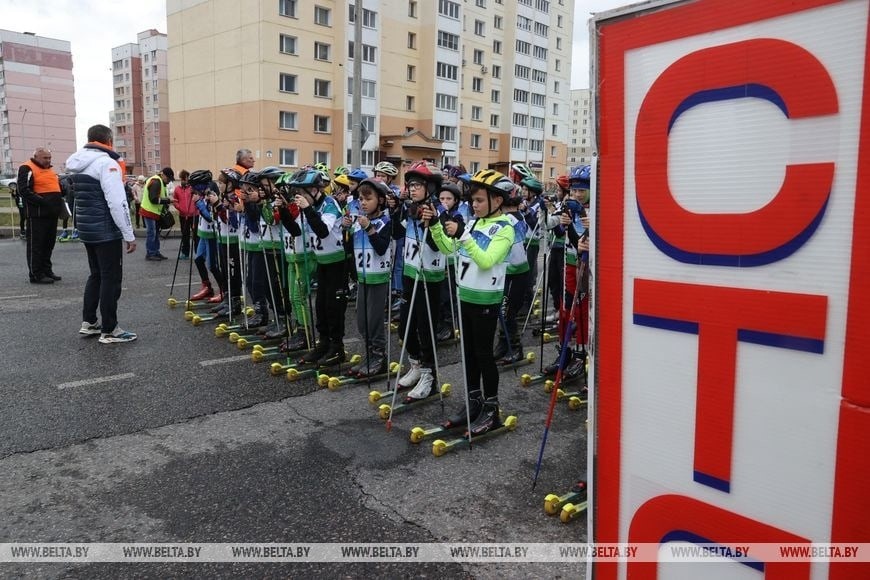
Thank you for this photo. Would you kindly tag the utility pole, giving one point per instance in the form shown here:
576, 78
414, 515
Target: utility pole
356, 115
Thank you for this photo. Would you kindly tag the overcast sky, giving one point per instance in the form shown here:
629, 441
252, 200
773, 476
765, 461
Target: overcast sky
94, 27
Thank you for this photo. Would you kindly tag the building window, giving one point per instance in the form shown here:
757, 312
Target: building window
474, 167
287, 120
496, 71
523, 47
556, 87
540, 52
543, 6
521, 96
480, 3
412, 41
553, 148
321, 51
369, 16
558, 43
521, 72
287, 44
445, 133
539, 100
479, 28
521, 120
542, 29
412, 73
478, 56
559, 21
497, 22
539, 76
537, 122
369, 52
518, 143
321, 157
321, 124
287, 8
558, 65
445, 102
524, 23
495, 96
322, 88
493, 121
409, 103
367, 158
369, 89
448, 9
493, 144
475, 141
447, 40
322, 15
368, 121
477, 84
447, 71
287, 83
412, 8
496, 46
476, 113
287, 157
536, 145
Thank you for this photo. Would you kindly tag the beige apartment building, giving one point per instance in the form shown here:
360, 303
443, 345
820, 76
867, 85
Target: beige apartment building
141, 112
580, 134
482, 82
37, 99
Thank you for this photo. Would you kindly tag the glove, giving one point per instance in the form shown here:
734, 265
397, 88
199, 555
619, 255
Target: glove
457, 219
294, 210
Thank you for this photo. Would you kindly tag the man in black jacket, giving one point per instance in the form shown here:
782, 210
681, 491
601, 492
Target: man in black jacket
39, 187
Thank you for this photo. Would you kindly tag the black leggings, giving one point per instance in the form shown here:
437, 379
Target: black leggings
330, 304
478, 331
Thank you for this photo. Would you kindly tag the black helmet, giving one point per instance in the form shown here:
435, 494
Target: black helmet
271, 173
453, 189
251, 178
200, 177
232, 175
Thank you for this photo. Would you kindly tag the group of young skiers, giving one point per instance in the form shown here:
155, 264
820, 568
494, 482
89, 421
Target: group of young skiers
462, 250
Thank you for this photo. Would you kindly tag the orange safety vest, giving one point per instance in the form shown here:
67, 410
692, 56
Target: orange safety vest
45, 181
240, 169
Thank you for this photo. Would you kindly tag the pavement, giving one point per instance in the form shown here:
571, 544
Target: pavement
179, 437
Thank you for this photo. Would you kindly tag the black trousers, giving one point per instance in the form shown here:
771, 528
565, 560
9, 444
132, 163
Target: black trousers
231, 273
556, 275
420, 320
330, 304
478, 331
515, 287
188, 231
103, 287
41, 236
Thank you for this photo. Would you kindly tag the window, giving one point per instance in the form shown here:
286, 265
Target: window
369, 16
556, 109
543, 6
479, 28
521, 72
448, 8
493, 120
287, 83
495, 96
496, 71
539, 76
409, 103
477, 84
558, 43
476, 113
496, 46
367, 158
537, 122
287, 157
474, 167
521, 96
287, 120
540, 52
369, 52
497, 22
493, 144
412, 8
475, 141
521, 120
445, 102
559, 21
321, 157
445, 133
322, 88
554, 130
412, 41
287, 8
478, 56
447, 40
558, 65
536, 145
524, 23
542, 29
523, 47
480, 3
368, 121
539, 100
321, 124
287, 44
369, 89
518, 143
322, 15
556, 87
321, 51
412, 73
447, 71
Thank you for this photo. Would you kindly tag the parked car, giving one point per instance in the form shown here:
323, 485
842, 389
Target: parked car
9, 182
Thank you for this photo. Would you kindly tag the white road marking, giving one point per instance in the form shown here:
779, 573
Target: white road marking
220, 361
17, 297
96, 380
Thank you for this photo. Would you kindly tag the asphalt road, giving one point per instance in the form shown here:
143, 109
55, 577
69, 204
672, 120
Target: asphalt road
187, 440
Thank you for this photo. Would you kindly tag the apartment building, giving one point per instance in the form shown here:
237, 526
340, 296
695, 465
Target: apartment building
37, 99
141, 103
483, 82
580, 135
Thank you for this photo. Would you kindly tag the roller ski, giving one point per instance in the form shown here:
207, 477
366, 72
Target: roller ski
569, 505
197, 319
385, 409
335, 383
516, 361
440, 446
405, 383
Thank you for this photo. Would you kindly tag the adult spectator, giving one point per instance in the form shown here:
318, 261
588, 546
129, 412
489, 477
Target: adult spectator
103, 220
244, 161
136, 189
39, 187
154, 199
182, 199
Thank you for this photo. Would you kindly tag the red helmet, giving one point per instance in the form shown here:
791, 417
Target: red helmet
425, 171
563, 182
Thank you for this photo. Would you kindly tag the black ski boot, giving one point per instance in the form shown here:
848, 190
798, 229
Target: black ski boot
277, 330
358, 367
260, 317
316, 353
334, 354
444, 333
460, 419
550, 370
297, 341
219, 306
375, 364
225, 309
488, 419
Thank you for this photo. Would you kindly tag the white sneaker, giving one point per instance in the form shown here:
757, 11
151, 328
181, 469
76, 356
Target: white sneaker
423, 388
90, 329
117, 335
412, 377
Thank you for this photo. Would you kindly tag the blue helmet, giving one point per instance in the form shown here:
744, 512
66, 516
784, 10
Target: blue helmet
307, 178
357, 175
580, 176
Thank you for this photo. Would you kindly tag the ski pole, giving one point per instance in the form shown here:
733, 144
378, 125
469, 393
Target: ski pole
431, 325
462, 347
404, 347
174, 273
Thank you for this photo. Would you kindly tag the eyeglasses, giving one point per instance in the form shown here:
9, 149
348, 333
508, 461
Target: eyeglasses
415, 184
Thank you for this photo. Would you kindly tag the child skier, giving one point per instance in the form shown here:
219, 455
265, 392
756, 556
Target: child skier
483, 245
205, 197
509, 348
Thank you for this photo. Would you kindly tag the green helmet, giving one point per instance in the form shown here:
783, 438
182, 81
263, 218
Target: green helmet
533, 184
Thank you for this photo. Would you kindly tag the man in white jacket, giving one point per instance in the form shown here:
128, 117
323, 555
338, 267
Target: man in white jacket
102, 217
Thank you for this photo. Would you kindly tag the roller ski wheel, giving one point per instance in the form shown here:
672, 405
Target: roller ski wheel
549, 337
172, 302
333, 384
189, 314
323, 380
575, 403
257, 355
220, 331
525, 380
529, 380
234, 337
375, 396
249, 311
572, 511
554, 503
441, 447
277, 368
548, 386
419, 434
293, 374
196, 320
385, 409
242, 343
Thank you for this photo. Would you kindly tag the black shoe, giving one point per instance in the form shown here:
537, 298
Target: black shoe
154, 258
375, 365
445, 333
333, 356
54, 276
41, 280
276, 331
552, 369
218, 307
460, 419
260, 318
160, 256
296, 341
515, 355
315, 354
488, 419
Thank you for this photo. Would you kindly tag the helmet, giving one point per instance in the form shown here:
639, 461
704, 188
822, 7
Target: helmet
271, 173
343, 180
322, 167
456, 170
579, 178
200, 177
425, 171
232, 175
452, 188
251, 178
341, 170
465, 178
307, 178
562, 182
533, 184
495, 183
387, 168
358, 175
381, 188
520, 172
